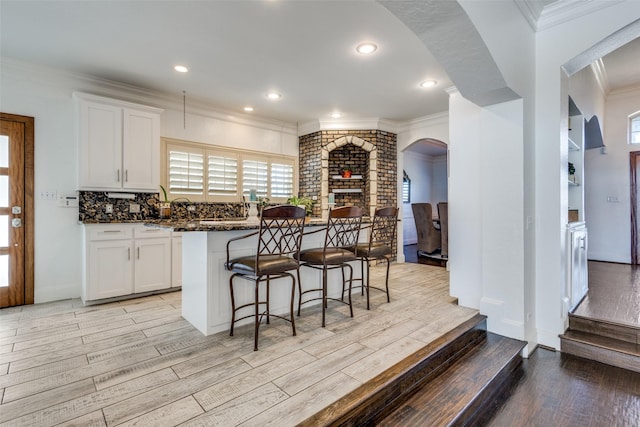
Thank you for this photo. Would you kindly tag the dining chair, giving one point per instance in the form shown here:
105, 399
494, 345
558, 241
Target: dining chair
341, 237
382, 235
429, 239
279, 239
443, 214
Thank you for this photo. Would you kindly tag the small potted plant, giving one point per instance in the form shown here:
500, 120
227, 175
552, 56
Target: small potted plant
346, 172
302, 202
572, 172
164, 207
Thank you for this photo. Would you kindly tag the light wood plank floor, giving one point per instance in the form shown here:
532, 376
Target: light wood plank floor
139, 363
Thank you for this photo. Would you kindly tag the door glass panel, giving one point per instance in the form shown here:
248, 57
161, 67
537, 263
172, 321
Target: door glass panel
4, 191
4, 231
4, 271
4, 151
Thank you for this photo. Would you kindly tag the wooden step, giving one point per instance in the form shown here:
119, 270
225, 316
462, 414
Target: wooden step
619, 331
377, 398
604, 349
460, 394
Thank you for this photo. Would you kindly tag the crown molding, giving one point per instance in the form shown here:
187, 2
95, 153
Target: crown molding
531, 11
542, 15
348, 124
135, 94
600, 74
631, 90
430, 120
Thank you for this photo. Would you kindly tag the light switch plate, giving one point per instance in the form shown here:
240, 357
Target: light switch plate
134, 208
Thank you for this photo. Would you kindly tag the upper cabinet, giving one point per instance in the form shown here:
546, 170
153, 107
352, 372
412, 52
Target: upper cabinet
119, 145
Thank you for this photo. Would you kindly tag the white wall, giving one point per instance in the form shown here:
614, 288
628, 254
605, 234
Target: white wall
554, 47
607, 175
433, 127
428, 176
46, 95
486, 251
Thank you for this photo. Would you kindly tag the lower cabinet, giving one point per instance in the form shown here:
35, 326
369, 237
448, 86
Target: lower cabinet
125, 259
577, 264
176, 260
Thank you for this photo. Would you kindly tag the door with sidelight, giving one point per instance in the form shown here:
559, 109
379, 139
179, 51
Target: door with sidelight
16, 213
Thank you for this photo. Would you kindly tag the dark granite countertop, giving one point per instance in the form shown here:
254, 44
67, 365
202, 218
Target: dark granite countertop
120, 221
218, 225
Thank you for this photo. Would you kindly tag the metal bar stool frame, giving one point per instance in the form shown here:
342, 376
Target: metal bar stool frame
379, 247
341, 237
279, 241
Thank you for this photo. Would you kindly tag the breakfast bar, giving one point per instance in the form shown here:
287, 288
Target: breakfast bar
205, 282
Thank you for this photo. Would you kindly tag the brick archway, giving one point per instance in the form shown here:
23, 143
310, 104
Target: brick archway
373, 170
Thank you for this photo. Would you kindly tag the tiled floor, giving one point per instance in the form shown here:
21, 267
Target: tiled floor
139, 363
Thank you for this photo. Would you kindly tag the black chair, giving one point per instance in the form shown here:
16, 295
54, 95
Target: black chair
341, 238
380, 246
279, 240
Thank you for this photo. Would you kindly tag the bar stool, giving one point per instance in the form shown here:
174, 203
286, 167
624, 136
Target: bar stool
341, 237
279, 240
380, 246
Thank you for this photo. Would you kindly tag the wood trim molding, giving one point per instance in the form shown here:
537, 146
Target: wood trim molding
29, 203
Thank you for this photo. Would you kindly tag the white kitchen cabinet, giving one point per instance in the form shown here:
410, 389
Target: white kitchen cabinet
125, 259
176, 260
119, 145
152, 264
577, 264
110, 268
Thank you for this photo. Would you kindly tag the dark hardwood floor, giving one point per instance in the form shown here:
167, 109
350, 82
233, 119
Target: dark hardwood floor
411, 255
559, 389
556, 389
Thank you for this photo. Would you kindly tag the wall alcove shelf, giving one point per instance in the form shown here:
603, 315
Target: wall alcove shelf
352, 177
347, 190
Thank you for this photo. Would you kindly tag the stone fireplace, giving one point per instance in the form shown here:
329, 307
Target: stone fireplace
369, 154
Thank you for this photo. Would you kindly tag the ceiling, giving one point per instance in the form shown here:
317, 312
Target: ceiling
237, 51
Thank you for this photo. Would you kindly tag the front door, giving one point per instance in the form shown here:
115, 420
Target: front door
16, 216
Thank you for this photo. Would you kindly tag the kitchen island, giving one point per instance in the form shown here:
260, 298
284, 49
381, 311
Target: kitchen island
206, 302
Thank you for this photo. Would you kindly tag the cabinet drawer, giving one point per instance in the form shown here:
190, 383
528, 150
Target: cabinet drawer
143, 232
108, 232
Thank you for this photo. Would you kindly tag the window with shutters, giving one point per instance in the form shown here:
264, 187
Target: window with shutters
634, 129
206, 173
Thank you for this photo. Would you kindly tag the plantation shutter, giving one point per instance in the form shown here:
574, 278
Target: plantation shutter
186, 171
255, 176
222, 175
281, 180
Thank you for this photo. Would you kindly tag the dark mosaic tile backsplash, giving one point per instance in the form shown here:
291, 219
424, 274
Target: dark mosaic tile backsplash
92, 208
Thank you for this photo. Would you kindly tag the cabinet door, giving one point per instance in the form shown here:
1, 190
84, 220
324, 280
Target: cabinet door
110, 269
176, 261
100, 146
141, 150
152, 264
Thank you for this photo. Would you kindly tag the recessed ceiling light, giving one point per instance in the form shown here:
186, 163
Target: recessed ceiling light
248, 109
428, 83
274, 96
181, 69
335, 115
366, 48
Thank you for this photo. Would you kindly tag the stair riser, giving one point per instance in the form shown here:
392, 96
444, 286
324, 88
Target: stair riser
619, 332
387, 399
479, 409
599, 354
362, 406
